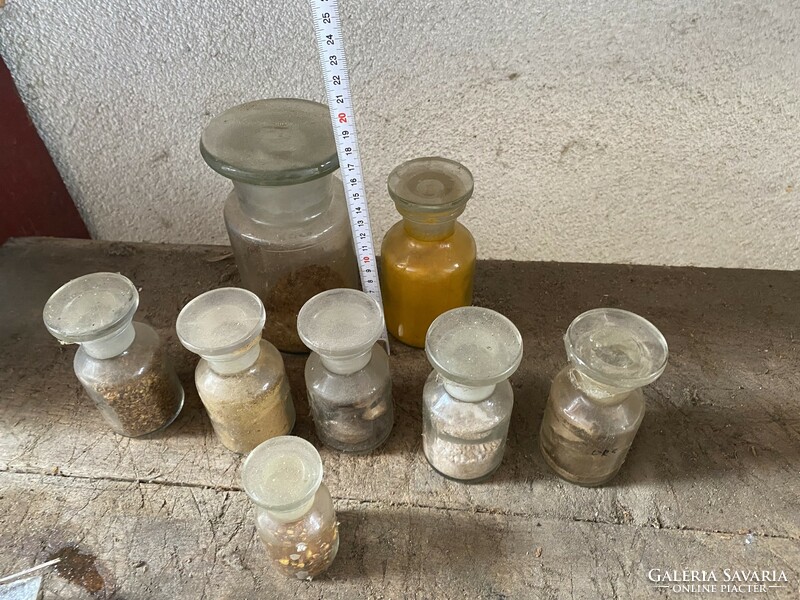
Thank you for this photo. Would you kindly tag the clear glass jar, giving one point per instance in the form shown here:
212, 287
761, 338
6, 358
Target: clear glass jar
287, 216
121, 364
294, 512
467, 399
347, 375
596, 403
428, 258
240, 378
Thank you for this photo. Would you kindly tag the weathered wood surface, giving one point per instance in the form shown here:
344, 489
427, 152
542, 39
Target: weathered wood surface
713, 479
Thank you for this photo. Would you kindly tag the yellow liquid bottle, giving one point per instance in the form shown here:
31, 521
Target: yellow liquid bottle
427, 258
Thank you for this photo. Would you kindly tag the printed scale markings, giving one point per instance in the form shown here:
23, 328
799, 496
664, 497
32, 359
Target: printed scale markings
330, 42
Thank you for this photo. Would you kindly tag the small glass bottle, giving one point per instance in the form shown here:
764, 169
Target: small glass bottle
121, 364
596, 403
428, 258
294, 512
240, 378
467, 399
286, 217
347, 375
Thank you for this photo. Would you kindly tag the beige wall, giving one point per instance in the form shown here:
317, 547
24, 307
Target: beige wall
623, 131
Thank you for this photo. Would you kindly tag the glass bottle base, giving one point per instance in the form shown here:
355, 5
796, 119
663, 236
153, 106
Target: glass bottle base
357, 449
479, 479
571, 478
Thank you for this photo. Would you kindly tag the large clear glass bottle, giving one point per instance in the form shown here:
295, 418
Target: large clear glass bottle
286, 217
240, 378
294, 512
121, 364
596, 403
347, 375
427, 258
467, 399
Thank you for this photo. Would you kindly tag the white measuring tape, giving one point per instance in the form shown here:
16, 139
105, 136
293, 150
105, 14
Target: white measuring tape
330, 43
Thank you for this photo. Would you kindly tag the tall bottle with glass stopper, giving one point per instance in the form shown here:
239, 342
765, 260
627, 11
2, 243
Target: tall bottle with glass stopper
240, 378
286, 217
427, 258
467, 399
294, 512
596, 402
347, 375
121, 363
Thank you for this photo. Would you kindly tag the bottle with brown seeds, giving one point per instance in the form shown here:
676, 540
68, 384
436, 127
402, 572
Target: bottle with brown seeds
121, 364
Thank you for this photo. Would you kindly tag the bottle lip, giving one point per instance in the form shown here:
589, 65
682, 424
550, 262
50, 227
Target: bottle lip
430, 185
282, 474
474, 346
340, 323
616, 348
225, 322
271, 142
91, 307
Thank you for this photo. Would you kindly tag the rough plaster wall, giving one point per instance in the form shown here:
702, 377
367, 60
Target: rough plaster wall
622, 131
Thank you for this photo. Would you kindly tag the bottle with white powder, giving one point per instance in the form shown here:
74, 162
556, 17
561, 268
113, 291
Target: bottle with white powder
467, 399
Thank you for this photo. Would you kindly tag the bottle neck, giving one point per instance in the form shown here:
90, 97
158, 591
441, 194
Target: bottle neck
347, 365
596, 391
111, 345
467, 393
429, 231
292, 514
285, 204
235, 362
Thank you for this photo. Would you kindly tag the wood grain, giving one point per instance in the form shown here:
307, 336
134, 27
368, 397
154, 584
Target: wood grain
716, 458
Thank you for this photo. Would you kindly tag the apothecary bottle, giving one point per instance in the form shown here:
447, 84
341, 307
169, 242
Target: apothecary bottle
596, 403
467, 399
427, 258
294, 512
347, 374
240, 377
122, 364
286, 217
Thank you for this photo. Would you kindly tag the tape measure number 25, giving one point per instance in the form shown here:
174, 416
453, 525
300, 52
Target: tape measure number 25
328, 28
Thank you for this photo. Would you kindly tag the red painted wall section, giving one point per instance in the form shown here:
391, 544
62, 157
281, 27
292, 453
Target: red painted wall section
33, 198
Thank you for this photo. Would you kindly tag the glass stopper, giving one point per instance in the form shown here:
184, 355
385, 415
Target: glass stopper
430, 184
220, 322
616, 347
340, 323
282, 473
91, 307
280, 141
474, 346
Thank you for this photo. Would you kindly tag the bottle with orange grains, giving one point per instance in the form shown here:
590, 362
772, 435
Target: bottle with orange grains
427, 258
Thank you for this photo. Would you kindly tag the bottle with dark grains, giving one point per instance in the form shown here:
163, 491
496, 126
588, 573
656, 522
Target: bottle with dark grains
596, 403
294, 512
347, 375
121, 364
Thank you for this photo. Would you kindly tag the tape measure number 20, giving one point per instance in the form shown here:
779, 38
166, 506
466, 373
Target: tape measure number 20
328, 28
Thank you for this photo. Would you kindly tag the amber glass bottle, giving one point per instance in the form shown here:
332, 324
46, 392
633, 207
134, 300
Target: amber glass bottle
428, 258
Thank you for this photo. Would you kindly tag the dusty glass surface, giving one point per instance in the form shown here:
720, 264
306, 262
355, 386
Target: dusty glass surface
427, 258
120, 363
240, 378
295, 518
347, 375
596, 403
286, 218
467, 399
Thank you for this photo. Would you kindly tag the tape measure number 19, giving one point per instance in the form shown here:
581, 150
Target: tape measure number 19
330, 43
